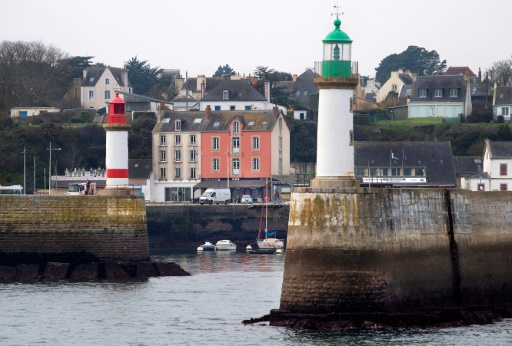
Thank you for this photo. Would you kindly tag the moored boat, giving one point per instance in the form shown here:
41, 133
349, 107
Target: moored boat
225, 245
207, 246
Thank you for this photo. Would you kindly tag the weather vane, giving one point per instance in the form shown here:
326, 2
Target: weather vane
337, 13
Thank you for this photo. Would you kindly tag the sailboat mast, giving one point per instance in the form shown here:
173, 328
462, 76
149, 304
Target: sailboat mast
266, 210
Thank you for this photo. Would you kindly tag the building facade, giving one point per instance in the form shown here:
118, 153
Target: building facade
99, 85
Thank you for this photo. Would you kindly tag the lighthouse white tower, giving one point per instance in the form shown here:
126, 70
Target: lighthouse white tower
117, 148
335, 150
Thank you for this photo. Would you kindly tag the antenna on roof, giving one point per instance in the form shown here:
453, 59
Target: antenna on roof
337, 13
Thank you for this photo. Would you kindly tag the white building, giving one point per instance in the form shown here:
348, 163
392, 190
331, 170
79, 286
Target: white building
99, 85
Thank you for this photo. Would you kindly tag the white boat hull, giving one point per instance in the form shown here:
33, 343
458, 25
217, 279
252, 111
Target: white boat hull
225, 245
270, 243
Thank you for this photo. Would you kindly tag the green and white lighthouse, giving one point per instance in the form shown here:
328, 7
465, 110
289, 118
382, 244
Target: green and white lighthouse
339, 78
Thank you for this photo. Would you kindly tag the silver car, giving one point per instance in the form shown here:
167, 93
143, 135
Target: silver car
246, 199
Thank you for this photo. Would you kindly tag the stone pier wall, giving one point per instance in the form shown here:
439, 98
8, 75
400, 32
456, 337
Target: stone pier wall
35, 229
396, 250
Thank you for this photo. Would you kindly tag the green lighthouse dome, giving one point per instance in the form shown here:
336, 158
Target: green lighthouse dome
337, 34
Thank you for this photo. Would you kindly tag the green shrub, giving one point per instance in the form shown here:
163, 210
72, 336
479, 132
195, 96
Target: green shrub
500, 119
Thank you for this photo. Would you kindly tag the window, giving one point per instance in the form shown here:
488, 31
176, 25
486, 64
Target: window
235, 164
305, 93
236, 127
91, 94
215, 165
454, 92
407, 171
255, 164
232, 108
503, 187
162, 173
107, 81
192, 139
162, 140
162, 156
395, 172
177, 140
438, 92
193, 155
177, 125
422, 93
384, 172
255, 143
177, 173
192, 173
107, 94
177, 156
236, 145
225, 95
217, 108
394, 87
419, 172
503, 169
215, 143
297, 93
504, 110
247, 108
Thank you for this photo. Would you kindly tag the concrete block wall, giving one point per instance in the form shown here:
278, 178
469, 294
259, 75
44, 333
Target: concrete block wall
396, 250
70, 228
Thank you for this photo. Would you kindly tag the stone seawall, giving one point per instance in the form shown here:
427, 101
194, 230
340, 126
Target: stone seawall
36, 229
176, 225
376, 253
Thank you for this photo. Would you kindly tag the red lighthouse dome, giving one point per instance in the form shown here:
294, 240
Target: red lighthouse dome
116, 111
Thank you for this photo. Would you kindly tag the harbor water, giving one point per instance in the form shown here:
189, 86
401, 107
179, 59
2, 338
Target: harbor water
206, 308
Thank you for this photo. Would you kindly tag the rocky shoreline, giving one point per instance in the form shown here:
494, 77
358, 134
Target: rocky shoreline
89, 271
455, 317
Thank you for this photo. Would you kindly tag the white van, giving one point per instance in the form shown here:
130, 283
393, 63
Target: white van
215, 195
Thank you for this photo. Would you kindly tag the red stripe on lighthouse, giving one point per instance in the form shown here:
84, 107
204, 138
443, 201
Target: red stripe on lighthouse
117, 173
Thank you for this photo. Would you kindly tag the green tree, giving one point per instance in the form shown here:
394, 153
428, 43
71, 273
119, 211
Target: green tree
504, 133
265, 74
142, 76
224, 71
415, 59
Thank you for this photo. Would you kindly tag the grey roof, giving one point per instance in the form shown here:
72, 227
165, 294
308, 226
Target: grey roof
436, 157
500, 150
184, 98
304, 82
139, 168
93, 74
370, 97
239, 90
131, 97
468, 165
439, 82
503, 95
406, 78
261, 120
211, 83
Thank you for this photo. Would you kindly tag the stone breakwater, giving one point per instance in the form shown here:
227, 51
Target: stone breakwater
396, 257
76, 237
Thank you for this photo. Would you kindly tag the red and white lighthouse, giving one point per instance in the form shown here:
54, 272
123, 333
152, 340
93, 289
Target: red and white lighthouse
116, 159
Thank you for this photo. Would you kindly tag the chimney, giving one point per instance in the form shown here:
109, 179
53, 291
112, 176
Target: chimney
203, 87
208, 112
200, 80
479, 75
267, 91
125, 78
294, 78
276, 112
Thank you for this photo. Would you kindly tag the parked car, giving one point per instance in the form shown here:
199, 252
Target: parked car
246, 199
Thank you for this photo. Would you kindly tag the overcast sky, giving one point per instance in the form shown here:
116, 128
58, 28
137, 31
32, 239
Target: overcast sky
196, 36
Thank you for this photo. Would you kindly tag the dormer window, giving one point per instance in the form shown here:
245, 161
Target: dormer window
225, 95
177, 125
454, 92
236, 127
422, 93
438, 92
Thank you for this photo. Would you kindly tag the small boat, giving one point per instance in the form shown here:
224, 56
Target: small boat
263, 251
270, 241
207, 246
225, 245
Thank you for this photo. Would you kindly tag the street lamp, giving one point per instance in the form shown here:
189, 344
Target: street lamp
50, 169
24, 152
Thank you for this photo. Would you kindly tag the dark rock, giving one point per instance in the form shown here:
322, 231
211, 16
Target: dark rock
26, 272
170, 269
146, 270
87, 271
7, 273
115, 270
55, 271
